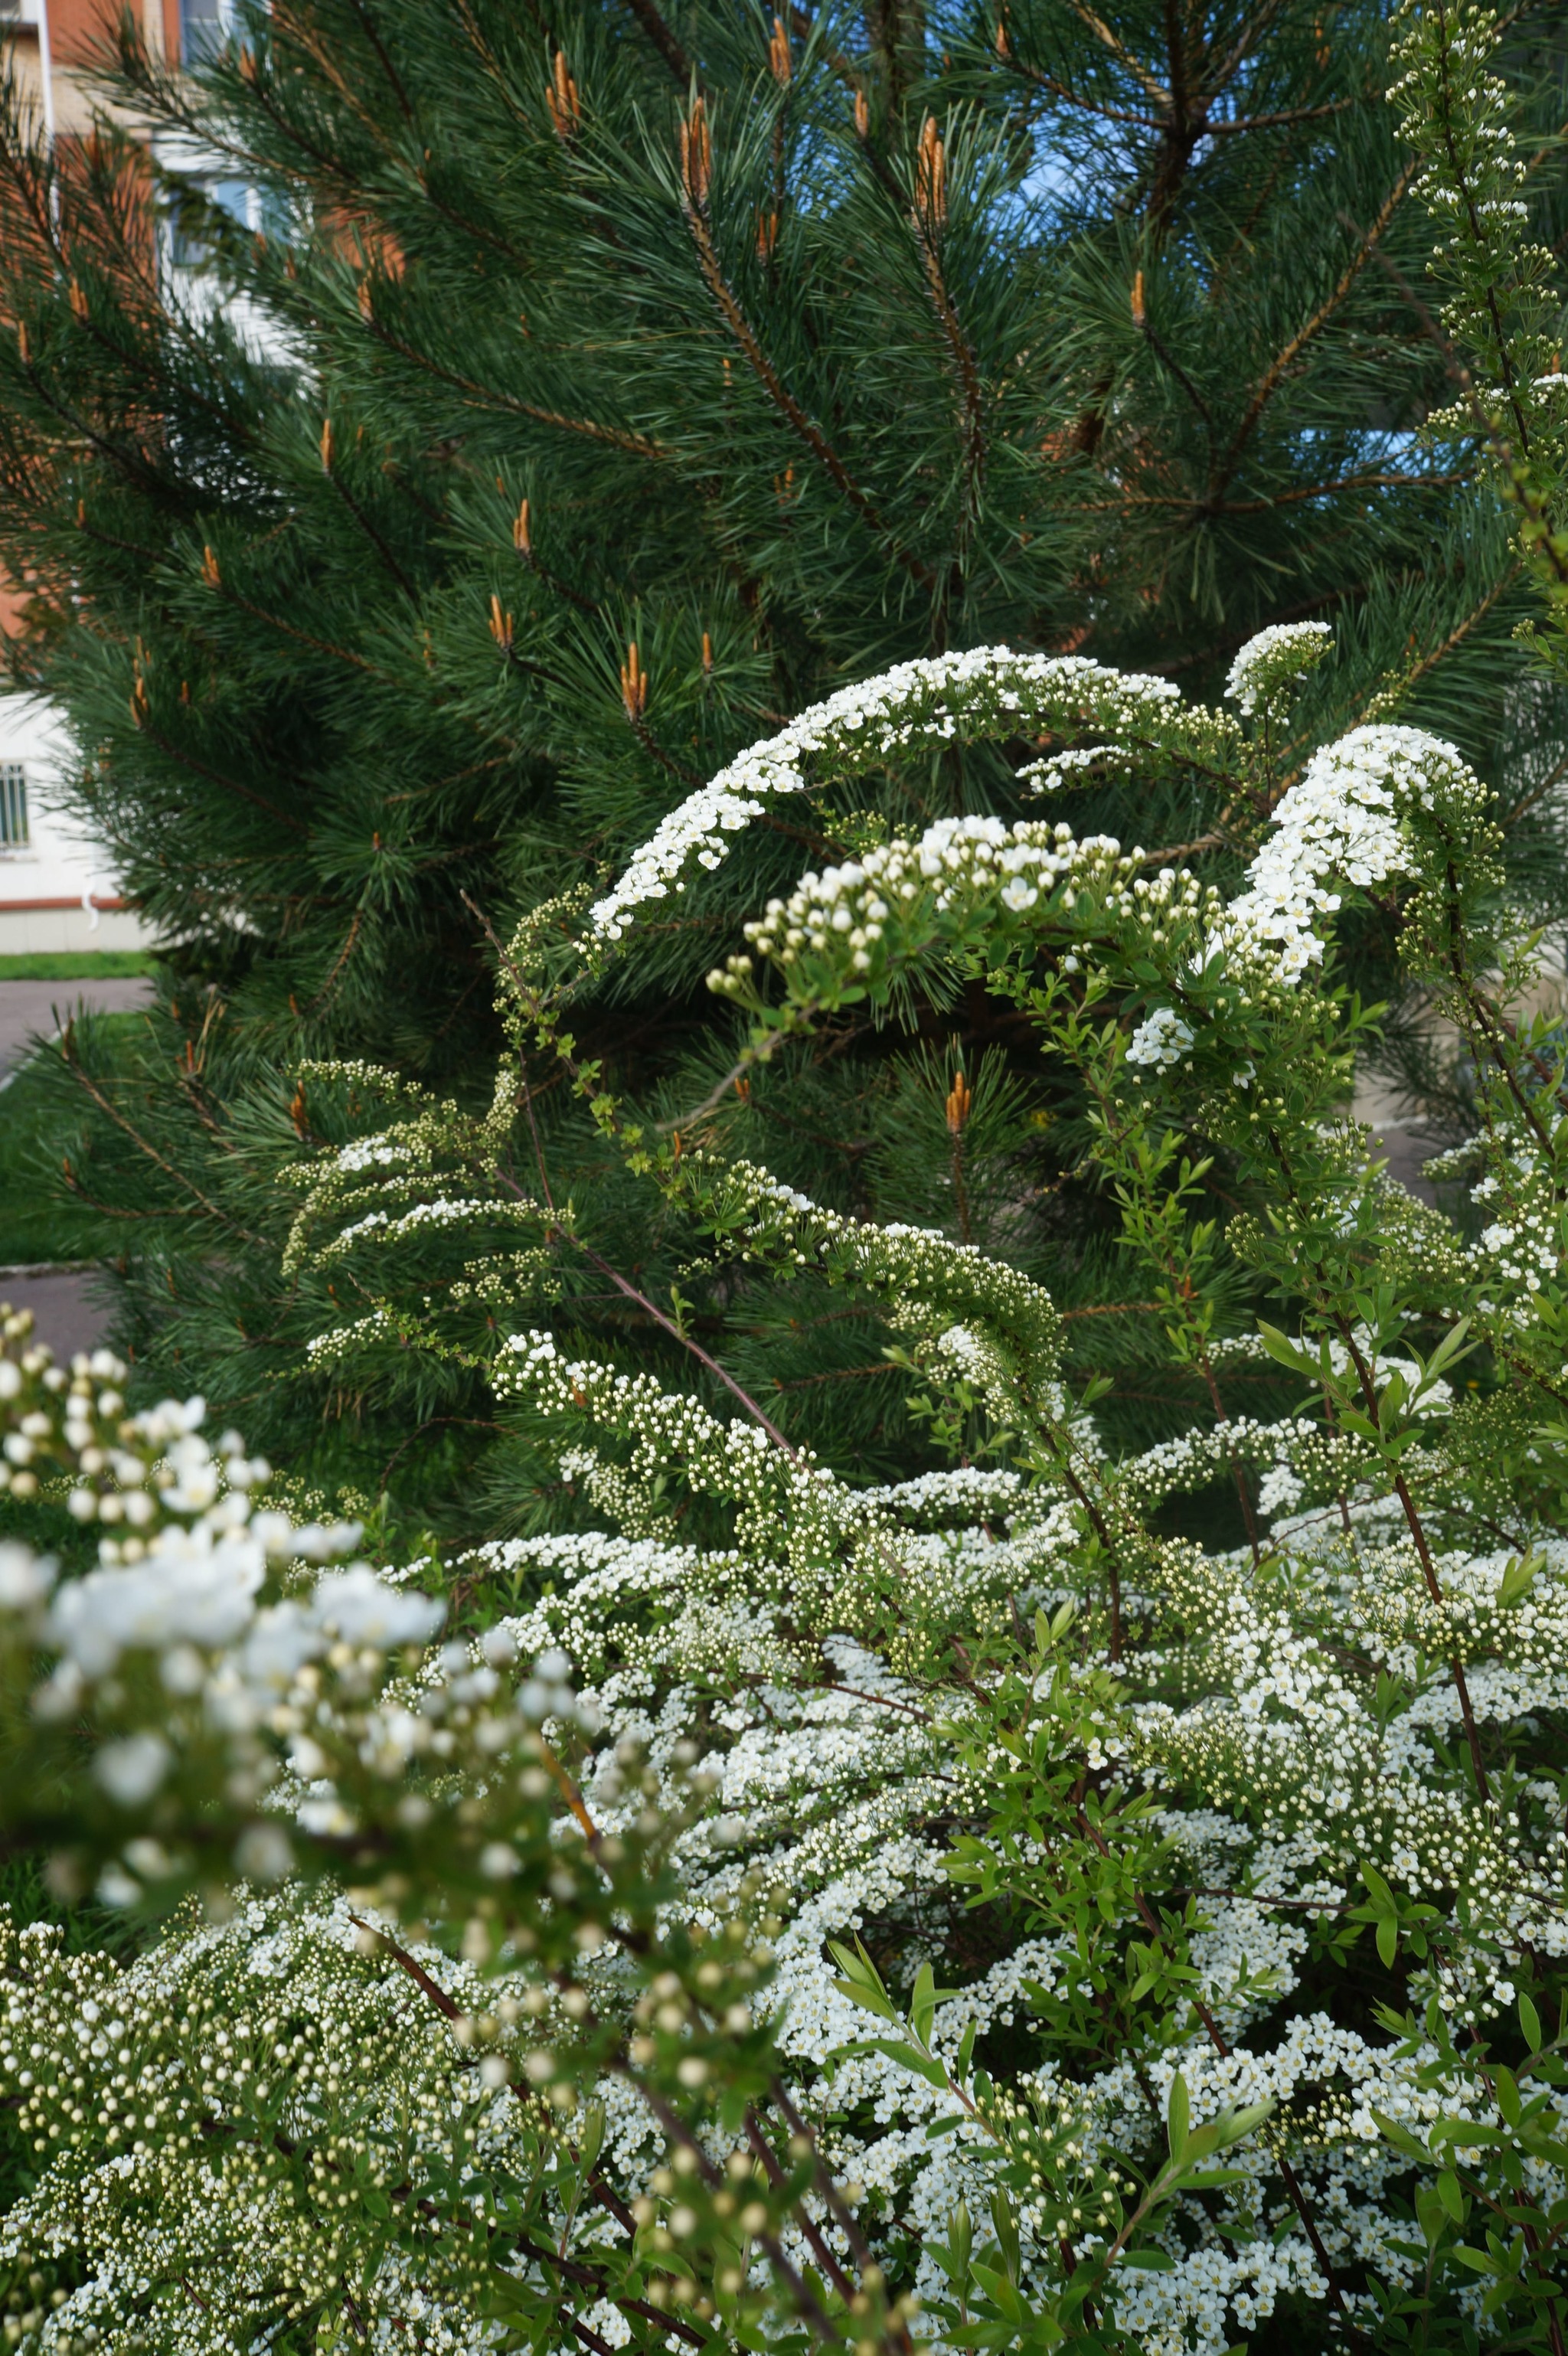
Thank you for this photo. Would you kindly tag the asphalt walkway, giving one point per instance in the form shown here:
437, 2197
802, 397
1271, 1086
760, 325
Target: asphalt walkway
34, 1010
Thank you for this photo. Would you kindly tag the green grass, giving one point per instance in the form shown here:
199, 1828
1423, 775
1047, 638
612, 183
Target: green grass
76, 964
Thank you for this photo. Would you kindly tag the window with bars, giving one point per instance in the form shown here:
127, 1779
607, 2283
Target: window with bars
13, 805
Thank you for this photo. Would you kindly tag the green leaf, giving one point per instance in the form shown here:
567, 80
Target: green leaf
1399, 2136
1452, 2197
1430, 2210
1005, 2227
924, 2065
999, 2287
1508, 2094
1152, 2262
1529, 2022
862, 1982
1385, 1910
960, 2246
1450, 1348
1233, 2125
1288, 1353
923, 2003
1519, 1578
1177, 2112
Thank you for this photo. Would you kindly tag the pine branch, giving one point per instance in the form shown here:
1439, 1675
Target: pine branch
1278, 369
799, 423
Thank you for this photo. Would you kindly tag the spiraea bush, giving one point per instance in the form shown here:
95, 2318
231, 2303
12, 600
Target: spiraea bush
1088, 1894
972, 1909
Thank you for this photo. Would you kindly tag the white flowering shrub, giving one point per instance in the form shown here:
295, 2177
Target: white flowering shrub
965, 1911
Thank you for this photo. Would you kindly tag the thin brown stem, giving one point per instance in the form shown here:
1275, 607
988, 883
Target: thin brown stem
1424, 1554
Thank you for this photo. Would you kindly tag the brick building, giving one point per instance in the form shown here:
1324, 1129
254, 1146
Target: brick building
54, 891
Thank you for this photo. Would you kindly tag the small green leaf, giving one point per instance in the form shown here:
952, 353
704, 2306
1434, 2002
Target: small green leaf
1519, 1578
861, 1981
1233, 2125
1177, 2112
960, 2243
1508, 2095
1288, 1353
1450, 2195
1005, 2226
923, 2065
1380, 1894
1399, 2136
1429, 2209
1529, 2022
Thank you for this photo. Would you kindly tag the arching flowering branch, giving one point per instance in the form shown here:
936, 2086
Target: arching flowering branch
923, 705
1133, 1798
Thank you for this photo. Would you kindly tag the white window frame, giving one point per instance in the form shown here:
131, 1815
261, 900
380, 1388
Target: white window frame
15, 824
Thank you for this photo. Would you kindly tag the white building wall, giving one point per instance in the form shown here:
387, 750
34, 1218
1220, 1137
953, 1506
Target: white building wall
56, 889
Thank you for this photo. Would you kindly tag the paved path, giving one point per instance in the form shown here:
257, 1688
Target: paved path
32, 1010
67, 1309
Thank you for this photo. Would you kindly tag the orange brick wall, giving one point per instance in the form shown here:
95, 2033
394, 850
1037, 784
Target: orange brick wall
75, 27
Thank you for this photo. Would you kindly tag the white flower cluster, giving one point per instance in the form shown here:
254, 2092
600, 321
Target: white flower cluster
219, 2062
371, 1153
856, 900
1347, 818
1273, 658
1162, 1038
937, 701
184, 1586
446, 1211
832, 1776
1078, 765
1343, 819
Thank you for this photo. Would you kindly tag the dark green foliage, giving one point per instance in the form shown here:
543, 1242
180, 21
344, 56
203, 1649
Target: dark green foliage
601, 391
40, 1132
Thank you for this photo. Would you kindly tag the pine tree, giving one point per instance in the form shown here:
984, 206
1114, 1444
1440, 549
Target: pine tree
599, 391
